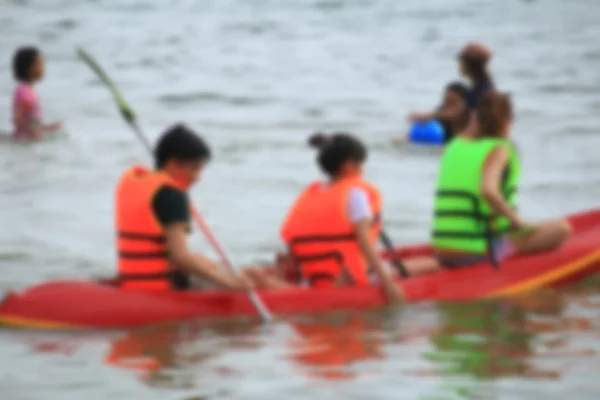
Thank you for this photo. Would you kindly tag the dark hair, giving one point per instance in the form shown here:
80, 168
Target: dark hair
493, 109
475, 57
458, 88
476, 68
336, 149
23, 60
180, 143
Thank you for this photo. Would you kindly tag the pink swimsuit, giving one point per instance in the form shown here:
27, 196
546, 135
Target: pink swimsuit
24, 95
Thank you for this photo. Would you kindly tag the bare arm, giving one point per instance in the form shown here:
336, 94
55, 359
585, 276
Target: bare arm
390, 288
52, 127
493, 168
196, 263
450, 111
446, 112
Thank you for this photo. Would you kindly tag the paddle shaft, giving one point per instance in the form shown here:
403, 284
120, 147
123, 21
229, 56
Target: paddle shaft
258, 303
130, 118
387, 242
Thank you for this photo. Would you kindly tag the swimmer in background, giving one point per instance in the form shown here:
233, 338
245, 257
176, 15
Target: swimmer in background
453, 113
28, 68
473, 64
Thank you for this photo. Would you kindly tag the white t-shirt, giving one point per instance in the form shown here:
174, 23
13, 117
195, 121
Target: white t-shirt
358, 205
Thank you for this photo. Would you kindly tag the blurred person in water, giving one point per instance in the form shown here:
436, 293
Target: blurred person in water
452, 113
473, 63
28, 69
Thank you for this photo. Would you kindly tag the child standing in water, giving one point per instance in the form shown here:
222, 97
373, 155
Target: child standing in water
28, 68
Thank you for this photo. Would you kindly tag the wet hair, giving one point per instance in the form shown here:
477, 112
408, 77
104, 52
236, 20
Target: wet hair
476, 68
493, 110
337, 149
476, 57
23, 60
458, 88
182, 144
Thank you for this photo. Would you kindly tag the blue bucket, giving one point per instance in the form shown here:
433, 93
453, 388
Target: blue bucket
428, 132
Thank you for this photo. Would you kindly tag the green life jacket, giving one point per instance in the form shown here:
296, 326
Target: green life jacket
464, 221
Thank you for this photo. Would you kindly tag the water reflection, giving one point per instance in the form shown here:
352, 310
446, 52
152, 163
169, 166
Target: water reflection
325, 349
488, 340
147, 351
162, 356
464, 348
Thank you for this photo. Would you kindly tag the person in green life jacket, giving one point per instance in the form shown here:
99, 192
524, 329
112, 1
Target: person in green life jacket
476, 195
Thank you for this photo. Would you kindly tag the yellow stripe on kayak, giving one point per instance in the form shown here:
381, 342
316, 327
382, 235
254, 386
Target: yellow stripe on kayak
27, 323
548, 277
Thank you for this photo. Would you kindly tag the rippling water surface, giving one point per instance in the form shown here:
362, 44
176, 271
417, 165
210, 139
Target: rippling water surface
256, 77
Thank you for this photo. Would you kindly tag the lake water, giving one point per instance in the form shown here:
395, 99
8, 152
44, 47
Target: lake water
256, 78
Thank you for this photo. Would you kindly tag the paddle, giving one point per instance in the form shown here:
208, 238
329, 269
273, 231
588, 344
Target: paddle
130, 118
491, 249
387, 242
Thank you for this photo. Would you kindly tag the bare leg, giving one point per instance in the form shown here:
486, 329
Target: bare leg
264, 279
416, 266
421, 265
546, 236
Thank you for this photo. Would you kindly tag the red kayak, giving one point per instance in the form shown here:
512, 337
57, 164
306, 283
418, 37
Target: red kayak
71, 304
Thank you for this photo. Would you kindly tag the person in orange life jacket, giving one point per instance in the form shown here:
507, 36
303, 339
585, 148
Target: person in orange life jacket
153, 219
332, 229
495, 184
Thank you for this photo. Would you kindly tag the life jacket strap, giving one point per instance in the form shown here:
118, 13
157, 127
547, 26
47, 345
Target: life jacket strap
320, 276
134, 255
488, 234
142, 237
177, 279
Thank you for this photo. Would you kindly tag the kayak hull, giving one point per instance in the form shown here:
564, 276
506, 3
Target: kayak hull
73, 304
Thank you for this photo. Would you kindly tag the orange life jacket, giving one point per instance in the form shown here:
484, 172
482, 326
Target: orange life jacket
321, 237
141, 243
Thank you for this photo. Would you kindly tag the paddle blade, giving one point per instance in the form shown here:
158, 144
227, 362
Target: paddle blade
124, 108
387, 242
